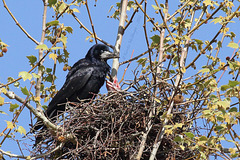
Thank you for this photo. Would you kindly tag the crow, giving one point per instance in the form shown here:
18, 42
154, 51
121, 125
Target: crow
83, 81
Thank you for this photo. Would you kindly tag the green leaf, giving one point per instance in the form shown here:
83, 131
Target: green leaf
178, 139
21, 130
68, 29
1, 101
233, 83
218, 128
25, 75
233, 45
49, 78
142, 61
53, 23
189, 134
155, 7
52, 2
32, 59
204, 70
42, 46
62, 7
155, 39
203, 138
224, 87
198, 41
233, 109
55, 48
25, 91
13, 107
2, 112
48, 70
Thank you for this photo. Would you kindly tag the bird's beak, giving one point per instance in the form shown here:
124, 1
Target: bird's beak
108, 55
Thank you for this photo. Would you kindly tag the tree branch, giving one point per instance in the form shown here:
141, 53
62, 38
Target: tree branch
115, 64
89, 15
18, 24
39, 80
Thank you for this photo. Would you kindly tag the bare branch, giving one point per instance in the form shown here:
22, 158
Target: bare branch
18, 24
39, 80
89, 15
123, 14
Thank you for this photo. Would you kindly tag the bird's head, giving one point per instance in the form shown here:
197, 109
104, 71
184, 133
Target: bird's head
100, 52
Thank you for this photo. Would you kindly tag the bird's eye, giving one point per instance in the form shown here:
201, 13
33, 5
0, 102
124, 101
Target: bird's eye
101, 51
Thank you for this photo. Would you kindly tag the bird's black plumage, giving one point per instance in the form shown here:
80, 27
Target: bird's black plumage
85, 79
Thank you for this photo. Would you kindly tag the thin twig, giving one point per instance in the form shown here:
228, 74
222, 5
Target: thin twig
126, 68
18, 24
86, 29
150, 19
89, 15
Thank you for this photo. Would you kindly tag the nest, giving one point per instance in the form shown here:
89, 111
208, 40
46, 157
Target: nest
110, 127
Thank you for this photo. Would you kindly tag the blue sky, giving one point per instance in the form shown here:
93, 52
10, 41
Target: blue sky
29, 14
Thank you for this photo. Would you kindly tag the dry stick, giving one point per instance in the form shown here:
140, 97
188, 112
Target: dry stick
86, 29
17, 23
94, 33
123, 15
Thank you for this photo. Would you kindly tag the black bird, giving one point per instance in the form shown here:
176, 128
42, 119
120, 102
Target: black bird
83, 81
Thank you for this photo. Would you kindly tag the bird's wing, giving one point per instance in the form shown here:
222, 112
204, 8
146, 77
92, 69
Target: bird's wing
76, 79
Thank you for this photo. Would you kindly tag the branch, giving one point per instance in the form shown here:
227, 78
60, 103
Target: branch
36, 65
17, 23
86, 29
39, 80
115, 64
12, 95
135, 58
130, 20
150, 19
29, 157
94, 33
202, 51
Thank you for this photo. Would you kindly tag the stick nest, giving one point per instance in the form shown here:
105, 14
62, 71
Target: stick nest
111, 127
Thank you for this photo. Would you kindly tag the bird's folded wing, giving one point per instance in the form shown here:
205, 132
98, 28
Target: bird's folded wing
73, 84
